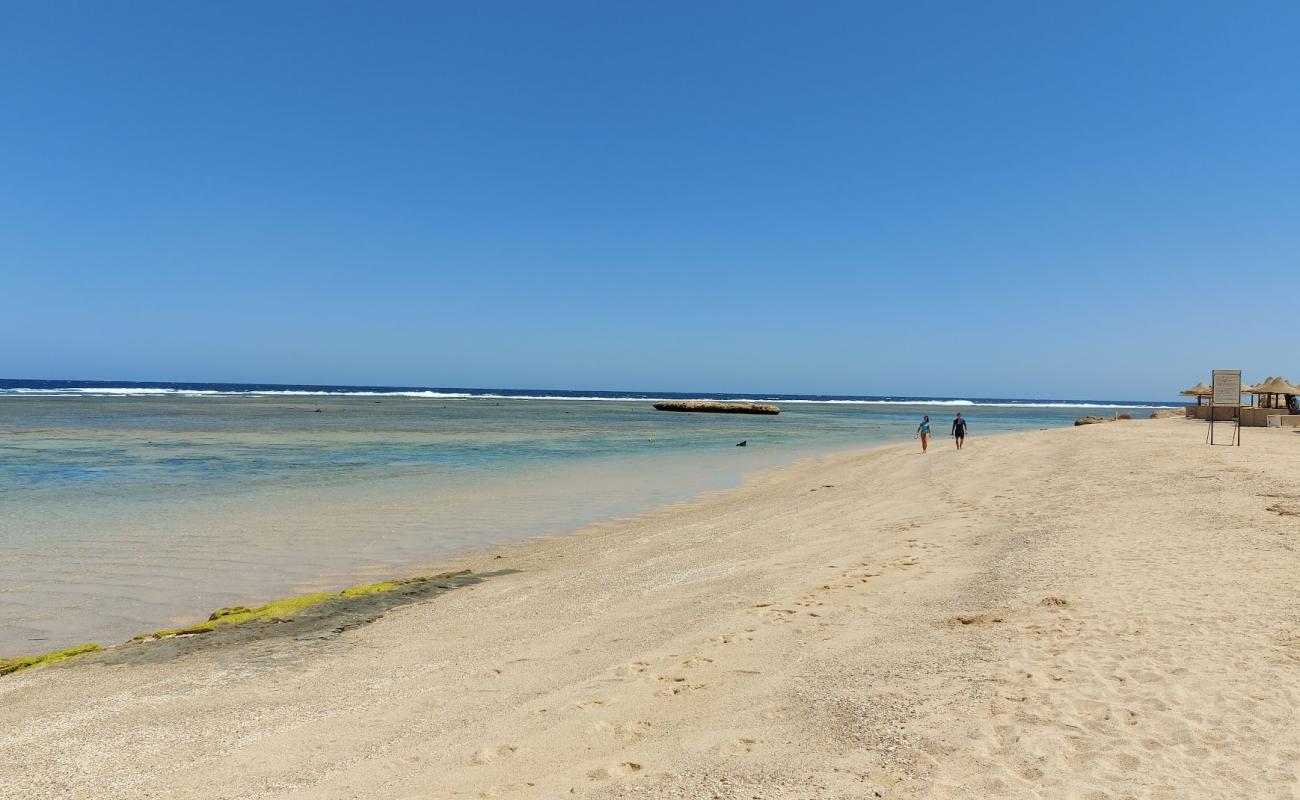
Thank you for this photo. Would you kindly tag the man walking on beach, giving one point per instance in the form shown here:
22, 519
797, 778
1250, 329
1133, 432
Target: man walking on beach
959, 430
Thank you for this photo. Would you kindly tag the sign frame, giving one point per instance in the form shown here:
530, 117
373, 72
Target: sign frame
1225, 387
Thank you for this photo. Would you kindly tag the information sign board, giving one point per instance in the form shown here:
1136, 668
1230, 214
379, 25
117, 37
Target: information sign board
1227, 388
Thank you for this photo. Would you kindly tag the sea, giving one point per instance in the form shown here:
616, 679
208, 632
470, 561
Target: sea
127, 507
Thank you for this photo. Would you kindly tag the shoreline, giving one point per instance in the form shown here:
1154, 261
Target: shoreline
135, 514
418, 571
1045, 611
363, 572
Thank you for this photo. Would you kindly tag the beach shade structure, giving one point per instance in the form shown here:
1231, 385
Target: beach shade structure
1198, 391
1257, 390
1265, 389
1261, 391
1275, 387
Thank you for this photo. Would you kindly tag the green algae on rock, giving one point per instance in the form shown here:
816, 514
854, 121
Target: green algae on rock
8, 665
278, 610
302, 618
402, 583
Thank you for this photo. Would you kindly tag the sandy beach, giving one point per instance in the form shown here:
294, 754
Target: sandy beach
1096, 612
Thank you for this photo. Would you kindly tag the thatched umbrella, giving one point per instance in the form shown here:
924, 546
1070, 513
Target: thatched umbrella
1198, 391
1276, 386
1256, 390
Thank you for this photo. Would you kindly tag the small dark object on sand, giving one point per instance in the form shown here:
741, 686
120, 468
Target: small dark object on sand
743, 444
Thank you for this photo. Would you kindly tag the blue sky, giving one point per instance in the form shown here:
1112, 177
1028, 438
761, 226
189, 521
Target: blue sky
971, 199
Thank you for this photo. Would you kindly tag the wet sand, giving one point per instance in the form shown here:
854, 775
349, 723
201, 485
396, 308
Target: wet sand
1107, 611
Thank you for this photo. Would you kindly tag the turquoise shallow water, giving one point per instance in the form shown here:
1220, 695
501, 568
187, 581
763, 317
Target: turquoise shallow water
120, 514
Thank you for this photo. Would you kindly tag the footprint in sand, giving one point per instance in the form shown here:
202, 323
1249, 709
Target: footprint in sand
733, 638
615, 771
631, 669
974, 619
589, 704
774, 615
507, 788
696, 661
737, 747
627, 731
678, 686
501, 670
487, 755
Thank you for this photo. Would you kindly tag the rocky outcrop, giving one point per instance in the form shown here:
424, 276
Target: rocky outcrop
717, 407
1090, 420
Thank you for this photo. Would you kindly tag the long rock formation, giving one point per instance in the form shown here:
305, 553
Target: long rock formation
718, 407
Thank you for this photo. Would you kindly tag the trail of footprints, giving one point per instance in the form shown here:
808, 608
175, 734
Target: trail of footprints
863, 572
677, 680
667, 683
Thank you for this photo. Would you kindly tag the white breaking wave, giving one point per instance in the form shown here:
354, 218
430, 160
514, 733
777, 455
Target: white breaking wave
108, 391
131, 391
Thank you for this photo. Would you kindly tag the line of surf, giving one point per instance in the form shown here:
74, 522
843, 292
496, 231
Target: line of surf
131, 391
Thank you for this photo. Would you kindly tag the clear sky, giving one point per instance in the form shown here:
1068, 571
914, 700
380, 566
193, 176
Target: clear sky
1097, 199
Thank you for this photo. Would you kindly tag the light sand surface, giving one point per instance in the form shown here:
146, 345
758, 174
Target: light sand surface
1107, 611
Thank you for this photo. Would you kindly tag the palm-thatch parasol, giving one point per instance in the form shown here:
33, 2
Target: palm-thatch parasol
1272, 387
1198, 391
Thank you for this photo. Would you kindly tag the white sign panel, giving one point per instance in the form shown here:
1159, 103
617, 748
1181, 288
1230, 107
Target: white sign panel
1227, 387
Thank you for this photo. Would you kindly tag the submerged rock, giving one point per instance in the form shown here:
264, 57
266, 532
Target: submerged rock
717, 407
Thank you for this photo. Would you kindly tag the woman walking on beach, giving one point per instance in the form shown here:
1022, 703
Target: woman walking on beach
959, 430
923, 431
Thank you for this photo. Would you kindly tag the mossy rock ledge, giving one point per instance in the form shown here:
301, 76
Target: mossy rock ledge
317, 615
8, 665
290, 607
